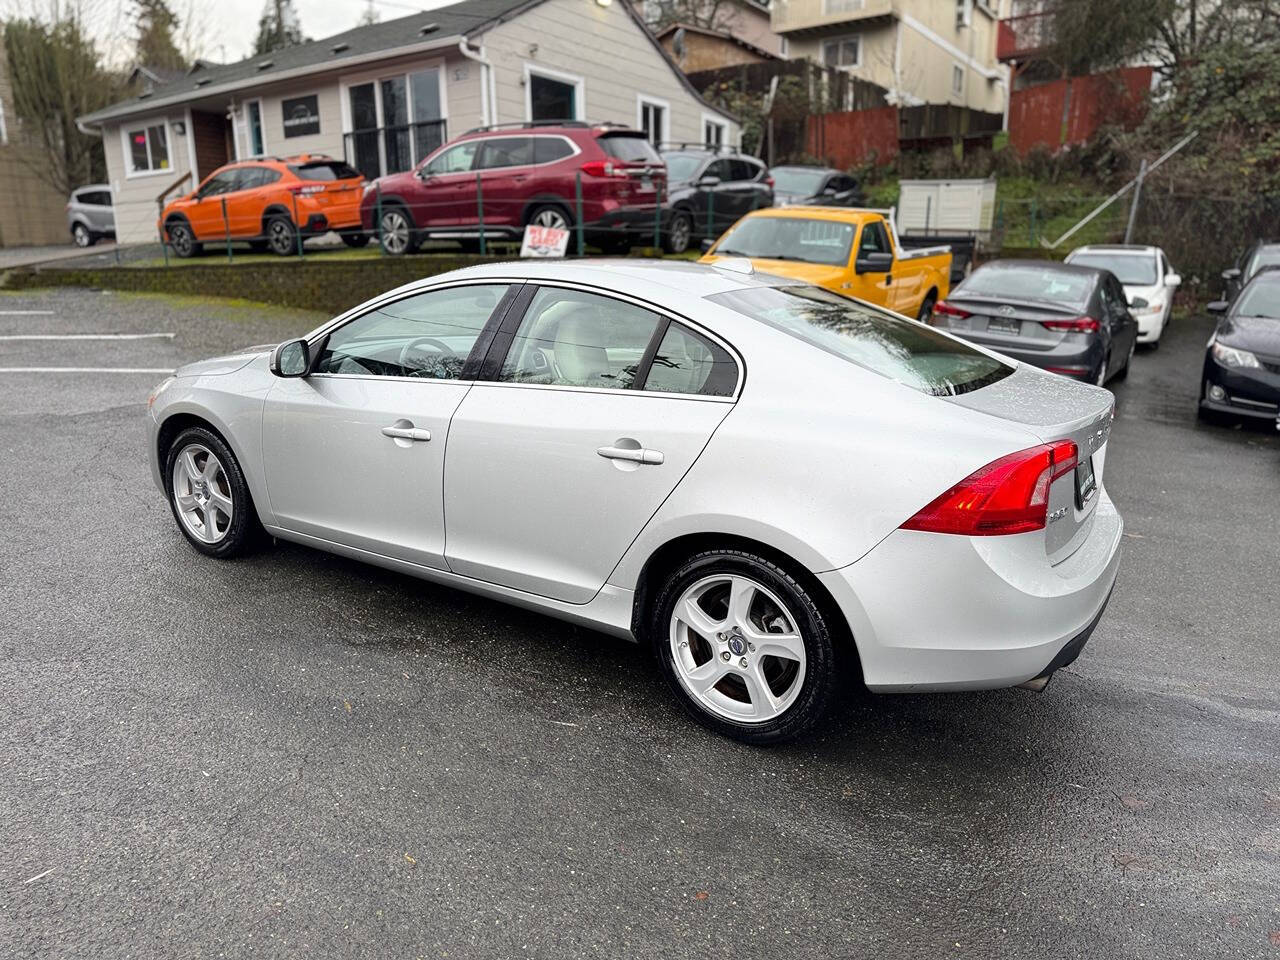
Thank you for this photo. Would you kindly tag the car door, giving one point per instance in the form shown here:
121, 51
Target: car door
244, 204
354, 452
98, 209
1124, 328
875, 286
723, 203
204, 211
592, 410
443, 193
504, 164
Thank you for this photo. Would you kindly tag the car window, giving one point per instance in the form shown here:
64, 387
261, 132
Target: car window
454, 160
94, 198
550, 149
686, 362
719, 168
1262, 257
874, 239
429, 335
505, 152
579, 339
629, 148
1108, 298
219, 183
251, 177
323, 170
903, 350
743, 169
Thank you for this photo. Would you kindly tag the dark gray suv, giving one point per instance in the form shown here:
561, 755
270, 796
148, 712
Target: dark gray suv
710, 188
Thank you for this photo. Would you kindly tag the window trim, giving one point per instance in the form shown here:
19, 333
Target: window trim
713, 120
145, 125
643, 100
577, 82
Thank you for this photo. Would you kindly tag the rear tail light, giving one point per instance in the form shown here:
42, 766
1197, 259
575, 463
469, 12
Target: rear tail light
603, 168
947, 310
306, 190
1075, 325
769, 182
1009, 495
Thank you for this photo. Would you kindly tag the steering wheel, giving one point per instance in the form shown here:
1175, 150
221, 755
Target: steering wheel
439, 346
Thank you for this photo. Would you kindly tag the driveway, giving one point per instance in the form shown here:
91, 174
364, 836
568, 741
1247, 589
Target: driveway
297, 755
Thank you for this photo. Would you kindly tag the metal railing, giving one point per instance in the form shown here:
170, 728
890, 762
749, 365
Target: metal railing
376, 151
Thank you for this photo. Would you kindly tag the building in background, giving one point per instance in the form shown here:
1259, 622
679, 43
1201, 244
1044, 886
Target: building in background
742, 20
384, 96
695, 48
32, 212
923, 51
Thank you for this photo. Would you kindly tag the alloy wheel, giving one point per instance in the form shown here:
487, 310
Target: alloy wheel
395, 232
280, 237
550, 217
81, 236
737, 649
180, 239
680, 231
202, 493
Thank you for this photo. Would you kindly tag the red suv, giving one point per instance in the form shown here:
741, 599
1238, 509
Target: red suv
509, 176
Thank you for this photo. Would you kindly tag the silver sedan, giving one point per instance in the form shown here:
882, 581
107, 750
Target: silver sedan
760, 479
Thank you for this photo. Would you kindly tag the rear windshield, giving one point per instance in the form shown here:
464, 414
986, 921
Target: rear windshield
629, 148
1137, 270
789, 238
1018, 281
323, 170
904, 350
797, 180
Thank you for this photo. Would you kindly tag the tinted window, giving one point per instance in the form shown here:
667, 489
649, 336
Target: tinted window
789, 238
95, 198
743, 169
324, 170
874, 240
1020, 281
249, 178
631, 149
578, 339
428, 335
719, 168
506, 152
903, 350
1136, 269
550, 149
220, 183
454, 160
688, 363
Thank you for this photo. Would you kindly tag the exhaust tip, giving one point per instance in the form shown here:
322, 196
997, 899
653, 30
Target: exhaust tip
1037, 683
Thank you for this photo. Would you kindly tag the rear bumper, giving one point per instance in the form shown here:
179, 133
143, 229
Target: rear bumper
1071, 357
940, 612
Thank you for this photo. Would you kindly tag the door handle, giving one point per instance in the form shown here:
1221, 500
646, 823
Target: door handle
406, 433
633, 454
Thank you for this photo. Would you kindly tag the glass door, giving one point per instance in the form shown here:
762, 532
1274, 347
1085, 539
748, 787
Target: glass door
395, 124
428, 124
365, 154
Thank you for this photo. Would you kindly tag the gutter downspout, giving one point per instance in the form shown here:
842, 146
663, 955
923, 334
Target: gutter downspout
486, 79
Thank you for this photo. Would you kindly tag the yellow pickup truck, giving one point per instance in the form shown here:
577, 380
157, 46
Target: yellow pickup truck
852, 252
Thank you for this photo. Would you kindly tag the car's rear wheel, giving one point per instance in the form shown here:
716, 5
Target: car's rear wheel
926, 308
679, 233
549, 215
208, 494
355, 239
82, 236
1100, 375
182, 239
745, 646
282, 236
395, 232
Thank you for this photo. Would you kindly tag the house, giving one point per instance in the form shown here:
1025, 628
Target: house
384, 96
32, 212
923, 51
742, 20
695, 48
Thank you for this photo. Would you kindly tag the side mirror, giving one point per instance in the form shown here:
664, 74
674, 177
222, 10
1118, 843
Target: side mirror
1232, 274
1217, 306
1172, 280
707, 245
1138, 303
873, 263
291, 359
709, 182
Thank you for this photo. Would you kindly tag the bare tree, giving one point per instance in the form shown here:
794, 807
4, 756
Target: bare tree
719, 15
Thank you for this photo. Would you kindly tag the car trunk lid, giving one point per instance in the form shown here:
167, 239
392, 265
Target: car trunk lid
1039, 325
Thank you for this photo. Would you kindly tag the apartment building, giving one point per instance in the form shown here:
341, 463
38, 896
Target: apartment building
922, 51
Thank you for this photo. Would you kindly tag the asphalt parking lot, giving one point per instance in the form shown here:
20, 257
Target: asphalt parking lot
297, 755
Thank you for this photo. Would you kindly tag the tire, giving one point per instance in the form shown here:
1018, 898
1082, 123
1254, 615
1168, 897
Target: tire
258, 246
1099, 377
615, 246
355, 240
182, 239
800, 684
926, 307
282, 236
82, 236
679, 233
549, 215
201, 494
396, 233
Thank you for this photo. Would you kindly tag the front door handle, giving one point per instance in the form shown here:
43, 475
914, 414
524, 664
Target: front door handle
397, 432
633, 454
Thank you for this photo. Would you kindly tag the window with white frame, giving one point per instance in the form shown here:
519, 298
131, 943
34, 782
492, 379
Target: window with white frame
843, 51
841, 6
255, 144
395, 121
714, 132
147, 148
551, 95
957, 79
652, 119
964, 13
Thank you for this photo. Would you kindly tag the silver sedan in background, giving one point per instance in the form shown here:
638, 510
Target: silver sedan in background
759, 478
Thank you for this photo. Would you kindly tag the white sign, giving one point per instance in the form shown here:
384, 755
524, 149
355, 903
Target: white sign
544, 242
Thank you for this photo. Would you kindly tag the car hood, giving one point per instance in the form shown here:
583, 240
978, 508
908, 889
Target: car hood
1255, 334
820, 274
218, 366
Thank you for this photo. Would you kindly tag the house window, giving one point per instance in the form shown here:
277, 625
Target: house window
551, 96
841, 6
255, 143
783, 47
843, 51
964, 13
653, 120
395, 122
957, 80
148, 148
713, 131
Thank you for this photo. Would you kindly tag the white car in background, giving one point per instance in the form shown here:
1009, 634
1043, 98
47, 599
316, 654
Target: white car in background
1145, 273
756, 477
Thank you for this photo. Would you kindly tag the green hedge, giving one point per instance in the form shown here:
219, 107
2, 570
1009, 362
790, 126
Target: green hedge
330, 286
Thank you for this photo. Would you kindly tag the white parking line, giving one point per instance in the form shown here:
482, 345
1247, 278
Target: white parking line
87, 336
26, 313
86, 369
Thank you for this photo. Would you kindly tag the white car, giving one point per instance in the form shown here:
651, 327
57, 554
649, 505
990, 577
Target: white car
759, 478
1145, 274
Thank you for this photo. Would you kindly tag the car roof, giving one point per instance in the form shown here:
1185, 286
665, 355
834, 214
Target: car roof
1054, 265
1120, 248
560, 129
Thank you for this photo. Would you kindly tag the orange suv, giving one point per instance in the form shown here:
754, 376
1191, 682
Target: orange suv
269, 202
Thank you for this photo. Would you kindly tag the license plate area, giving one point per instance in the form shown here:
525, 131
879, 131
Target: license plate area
1086, 483
1004, 325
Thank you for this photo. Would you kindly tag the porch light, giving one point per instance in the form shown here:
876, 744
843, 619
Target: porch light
604, 3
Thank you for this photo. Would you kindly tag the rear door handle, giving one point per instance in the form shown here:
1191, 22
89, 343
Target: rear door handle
635, 455
406, 433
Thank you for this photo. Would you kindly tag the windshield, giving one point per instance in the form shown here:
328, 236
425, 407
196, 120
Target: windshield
682, 166
1135, 270
1027, 282
1261, 298
1266, 257
903, 350
789, 238
796, 180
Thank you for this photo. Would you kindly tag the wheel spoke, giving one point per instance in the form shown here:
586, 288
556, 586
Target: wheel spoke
211, 469
788, 646
221, 503
763, 702
703, 678
189, 467
185, 501
697, 619
742, 594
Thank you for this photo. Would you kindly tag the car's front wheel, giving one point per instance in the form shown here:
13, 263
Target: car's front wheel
182, 239
395, 232
208, 494
82, 236
745, 646
679, 233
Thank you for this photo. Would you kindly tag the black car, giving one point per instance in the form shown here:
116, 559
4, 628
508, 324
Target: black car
798, 184
1066, 319
1261, 255
1242, 362
709, 189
